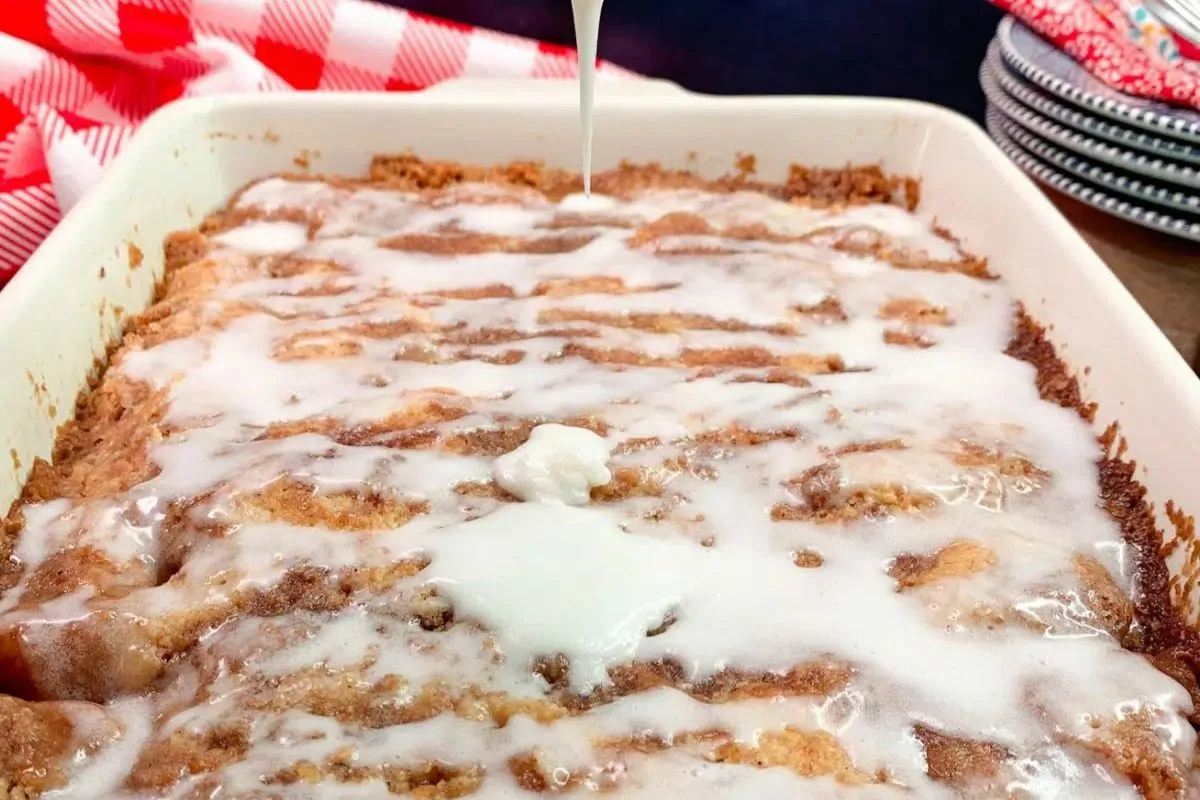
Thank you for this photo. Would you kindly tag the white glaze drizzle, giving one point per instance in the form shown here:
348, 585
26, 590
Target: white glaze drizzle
529, 580
587, 35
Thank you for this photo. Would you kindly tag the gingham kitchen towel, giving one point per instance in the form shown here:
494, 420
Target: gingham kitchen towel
1118, 41
78, 76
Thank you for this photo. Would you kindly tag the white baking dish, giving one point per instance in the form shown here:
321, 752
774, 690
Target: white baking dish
61, 310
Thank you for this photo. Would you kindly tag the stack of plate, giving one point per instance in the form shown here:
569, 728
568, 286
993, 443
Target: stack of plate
1134, 158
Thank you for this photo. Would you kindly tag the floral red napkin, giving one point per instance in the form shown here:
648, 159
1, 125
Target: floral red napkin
1120, 42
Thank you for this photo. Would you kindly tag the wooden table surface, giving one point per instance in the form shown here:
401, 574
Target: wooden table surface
1161, 271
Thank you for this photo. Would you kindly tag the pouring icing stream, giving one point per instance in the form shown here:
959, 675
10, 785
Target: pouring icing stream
587, 31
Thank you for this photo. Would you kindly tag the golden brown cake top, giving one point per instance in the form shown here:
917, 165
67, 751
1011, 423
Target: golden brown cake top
481, 490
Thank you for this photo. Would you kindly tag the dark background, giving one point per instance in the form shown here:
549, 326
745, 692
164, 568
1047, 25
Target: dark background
923, 49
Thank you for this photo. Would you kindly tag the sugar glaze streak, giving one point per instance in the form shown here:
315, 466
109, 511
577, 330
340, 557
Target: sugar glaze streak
622, 332
587, 35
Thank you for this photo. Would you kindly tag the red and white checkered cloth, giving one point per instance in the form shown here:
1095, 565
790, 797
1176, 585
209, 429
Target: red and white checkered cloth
78, 76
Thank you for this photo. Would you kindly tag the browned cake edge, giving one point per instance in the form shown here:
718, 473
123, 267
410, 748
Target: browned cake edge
1159, 631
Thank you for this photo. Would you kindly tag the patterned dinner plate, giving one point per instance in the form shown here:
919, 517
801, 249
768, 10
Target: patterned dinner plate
1044, 65
1145, 164
1100, 127
1114, 180
1185, 226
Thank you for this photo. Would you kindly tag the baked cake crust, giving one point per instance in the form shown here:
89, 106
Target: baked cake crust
334, 520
